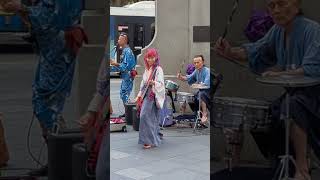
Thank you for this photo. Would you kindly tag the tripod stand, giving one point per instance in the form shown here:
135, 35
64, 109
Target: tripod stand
289, 82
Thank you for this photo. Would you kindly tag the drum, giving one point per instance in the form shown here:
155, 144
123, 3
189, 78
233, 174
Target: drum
235, 113
172, 86
185, 97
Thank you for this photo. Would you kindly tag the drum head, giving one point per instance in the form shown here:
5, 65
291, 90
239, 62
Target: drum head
169, 81
184, 94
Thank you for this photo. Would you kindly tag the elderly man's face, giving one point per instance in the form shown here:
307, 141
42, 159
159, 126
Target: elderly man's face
198, 62
283, 11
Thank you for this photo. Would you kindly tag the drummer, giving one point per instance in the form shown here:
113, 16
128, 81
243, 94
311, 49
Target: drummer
201, 75
291, 47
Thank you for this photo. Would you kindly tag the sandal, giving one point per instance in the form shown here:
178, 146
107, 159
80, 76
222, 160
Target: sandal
146, 146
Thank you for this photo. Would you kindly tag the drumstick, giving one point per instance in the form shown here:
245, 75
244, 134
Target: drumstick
182, 64
240, 64
235, 7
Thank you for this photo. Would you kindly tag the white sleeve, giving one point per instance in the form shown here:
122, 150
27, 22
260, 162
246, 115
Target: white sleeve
159, 88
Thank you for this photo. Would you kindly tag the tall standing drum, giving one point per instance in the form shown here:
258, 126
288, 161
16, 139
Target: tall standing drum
235, 115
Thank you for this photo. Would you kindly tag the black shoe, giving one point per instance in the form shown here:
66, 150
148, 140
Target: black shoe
200, 125
161, 136
43, 171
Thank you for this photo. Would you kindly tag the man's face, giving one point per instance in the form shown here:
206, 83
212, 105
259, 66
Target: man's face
198, 62
122, 40
283, 11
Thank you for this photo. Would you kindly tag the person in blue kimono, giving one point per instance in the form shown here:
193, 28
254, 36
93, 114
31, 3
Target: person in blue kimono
201, 75
126, 66
291, 47
57, 38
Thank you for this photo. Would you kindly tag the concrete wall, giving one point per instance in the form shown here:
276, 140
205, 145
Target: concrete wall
95, 22
174, 36
199, 15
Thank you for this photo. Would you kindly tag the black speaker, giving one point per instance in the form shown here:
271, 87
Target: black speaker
128, 112
60, 154
79, 158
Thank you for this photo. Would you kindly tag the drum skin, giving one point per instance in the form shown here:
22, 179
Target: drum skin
172, 86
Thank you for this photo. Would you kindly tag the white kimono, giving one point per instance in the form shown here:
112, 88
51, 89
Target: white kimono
158, 89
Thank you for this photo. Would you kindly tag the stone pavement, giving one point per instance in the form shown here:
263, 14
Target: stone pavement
183, 154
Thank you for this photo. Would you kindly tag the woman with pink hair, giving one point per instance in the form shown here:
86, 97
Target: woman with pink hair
151, 97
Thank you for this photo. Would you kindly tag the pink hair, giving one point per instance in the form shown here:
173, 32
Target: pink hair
151, 52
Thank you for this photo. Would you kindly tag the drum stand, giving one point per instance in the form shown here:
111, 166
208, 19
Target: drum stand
289, 82
198, 117
285, 159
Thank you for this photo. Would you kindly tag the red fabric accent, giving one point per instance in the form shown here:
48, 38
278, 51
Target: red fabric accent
95, 148
75, 37
133, 73
94, 134
140, 100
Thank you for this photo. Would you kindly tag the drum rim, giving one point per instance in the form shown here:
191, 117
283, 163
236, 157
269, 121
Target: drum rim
250, 103
186, 93
171, 82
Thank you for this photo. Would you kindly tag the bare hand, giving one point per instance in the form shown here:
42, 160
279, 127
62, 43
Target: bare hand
270, 73
151, 83
222, 47
112, 62
136, 99
11, 6
179, 76
85, 119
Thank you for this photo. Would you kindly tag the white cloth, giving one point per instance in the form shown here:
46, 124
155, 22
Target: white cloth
158, 88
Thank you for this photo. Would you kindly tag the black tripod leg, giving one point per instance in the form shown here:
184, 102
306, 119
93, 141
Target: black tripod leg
171, 97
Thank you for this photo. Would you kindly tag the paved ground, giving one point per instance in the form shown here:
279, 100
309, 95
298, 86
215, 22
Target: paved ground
16, 75
182, 155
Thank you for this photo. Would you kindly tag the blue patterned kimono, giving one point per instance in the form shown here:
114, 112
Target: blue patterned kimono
302, 51
127, 63
54, 74
202, 76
